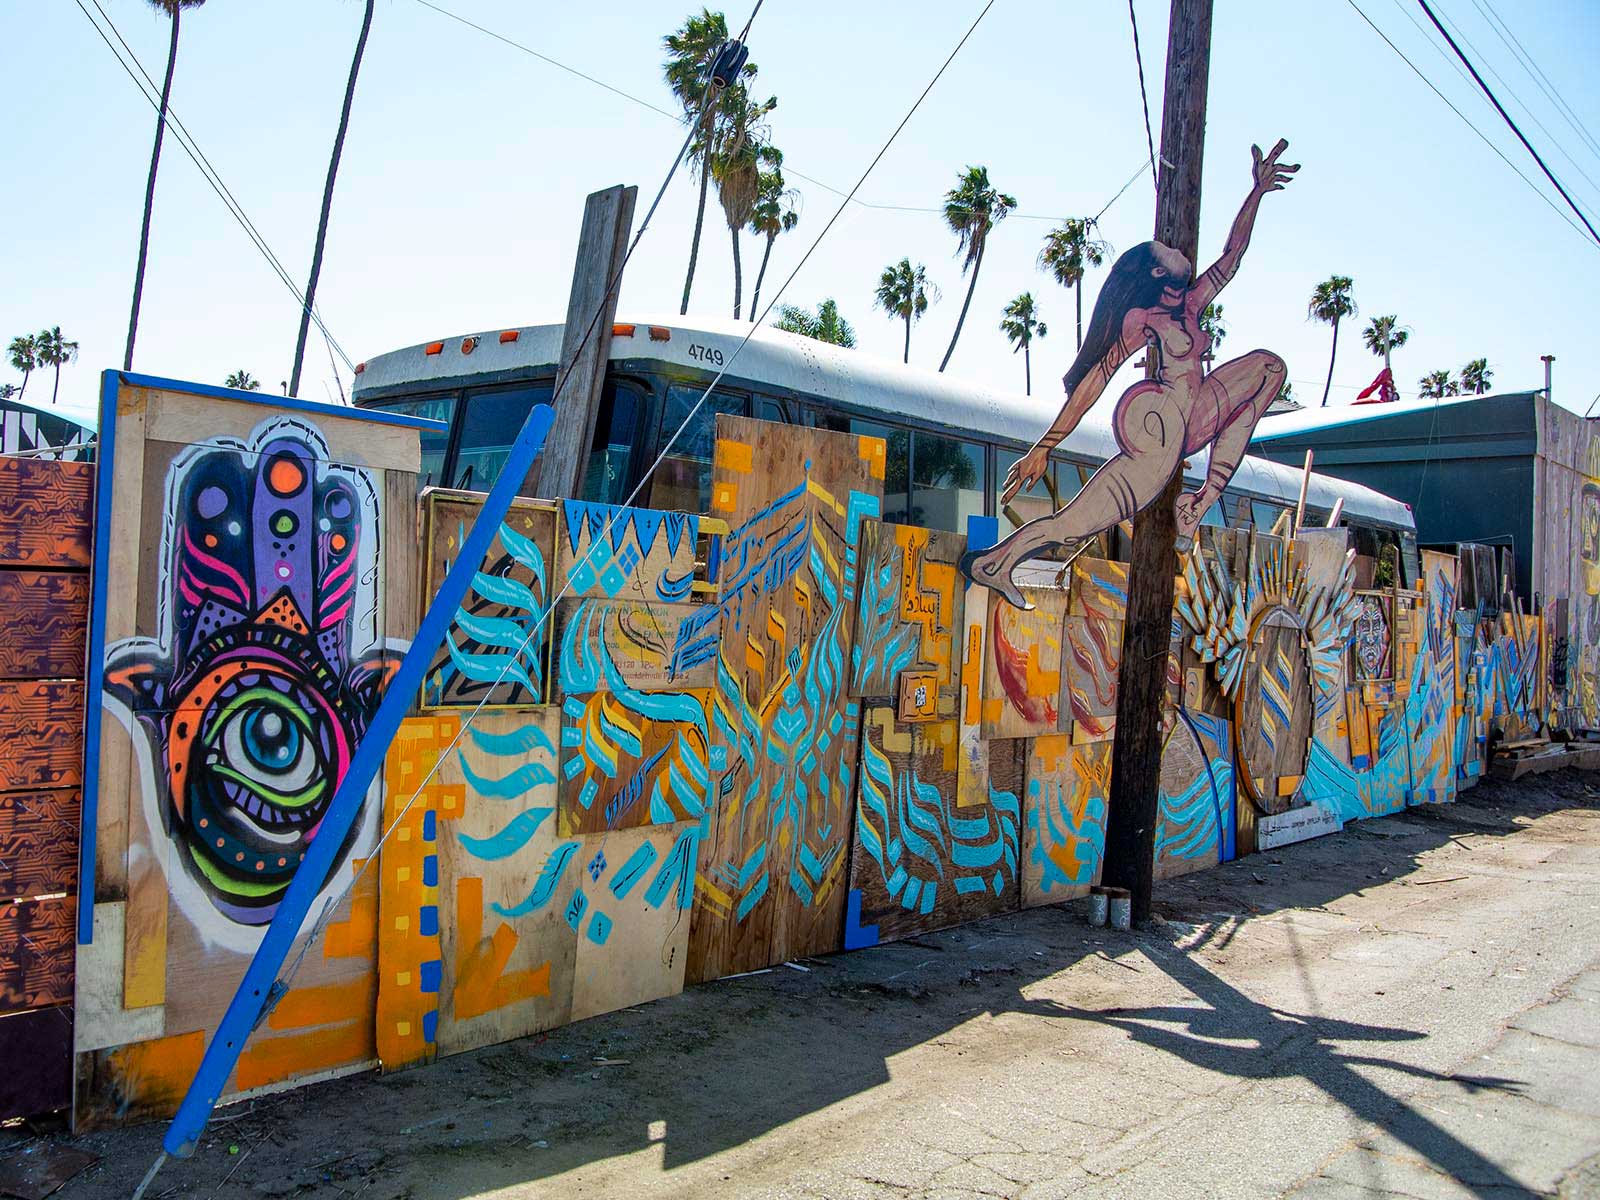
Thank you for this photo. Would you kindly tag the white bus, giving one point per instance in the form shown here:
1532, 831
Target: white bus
950, 442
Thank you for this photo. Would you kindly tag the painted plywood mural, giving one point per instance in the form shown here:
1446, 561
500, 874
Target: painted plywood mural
660, 748
774, 861
249, 550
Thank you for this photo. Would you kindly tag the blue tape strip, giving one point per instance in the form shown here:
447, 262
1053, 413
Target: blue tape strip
245, 1009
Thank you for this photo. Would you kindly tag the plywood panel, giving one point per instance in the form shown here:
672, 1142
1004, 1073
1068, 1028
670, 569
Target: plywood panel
1064, 818
141, 1081
1195, 804
608, 551
630, 759
45, 513
37, 937
101, 1020
774, 867
189, 419
634, 939
910, 613
46, 620
618, 645
41, 728
506, 879
1022, 666
39, 843
498, 649
919, 862
246, 652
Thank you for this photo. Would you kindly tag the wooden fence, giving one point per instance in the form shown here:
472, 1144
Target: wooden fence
45, 519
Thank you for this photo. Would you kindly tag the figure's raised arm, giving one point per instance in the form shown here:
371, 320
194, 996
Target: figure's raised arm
1270, 176
1085, 382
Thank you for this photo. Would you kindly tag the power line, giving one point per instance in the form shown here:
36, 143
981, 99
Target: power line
1144, 97
1535, 72
1500, 108
1554, 207
203, 164
675, 117
1501, 80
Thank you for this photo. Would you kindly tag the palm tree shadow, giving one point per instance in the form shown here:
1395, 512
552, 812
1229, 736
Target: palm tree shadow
1287, 1044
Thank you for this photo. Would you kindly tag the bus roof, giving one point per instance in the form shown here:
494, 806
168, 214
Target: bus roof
788, 363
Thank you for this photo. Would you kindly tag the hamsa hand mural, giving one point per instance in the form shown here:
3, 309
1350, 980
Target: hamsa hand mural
1151, 301
246, 707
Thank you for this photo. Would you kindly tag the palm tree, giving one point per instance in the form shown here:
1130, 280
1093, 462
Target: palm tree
905, 291
736, 166
825, 325
690, 53
1383, 335
173, 9
1437, 384
327, 200
53, 350
972, 208
1068, 252
243, 381
1021, 325
774, 213
1331, 302
23, 353
1476, 377
1214, 328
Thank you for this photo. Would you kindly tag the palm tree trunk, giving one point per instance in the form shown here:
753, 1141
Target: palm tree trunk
1078, 292
1331, 359
738, 276
327, 201
755, 300
23, 391
694, 244
150, 196
56, 387
977, 265
1027, 368
907, 358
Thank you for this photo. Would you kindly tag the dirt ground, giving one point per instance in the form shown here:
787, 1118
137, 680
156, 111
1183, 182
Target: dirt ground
1410, 1007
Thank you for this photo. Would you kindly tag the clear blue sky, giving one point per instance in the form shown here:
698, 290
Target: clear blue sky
467, 163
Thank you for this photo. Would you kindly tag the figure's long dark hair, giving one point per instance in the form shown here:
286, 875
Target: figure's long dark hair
1130, 284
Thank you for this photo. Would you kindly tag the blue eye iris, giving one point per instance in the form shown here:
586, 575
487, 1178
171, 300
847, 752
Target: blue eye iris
271, 741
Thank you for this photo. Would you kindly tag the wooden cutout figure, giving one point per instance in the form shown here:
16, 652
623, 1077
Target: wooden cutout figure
1150, 299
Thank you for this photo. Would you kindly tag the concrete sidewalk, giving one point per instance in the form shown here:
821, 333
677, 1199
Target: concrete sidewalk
1411, 1007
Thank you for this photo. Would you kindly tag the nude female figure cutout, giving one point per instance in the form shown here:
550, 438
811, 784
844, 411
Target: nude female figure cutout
1150, 299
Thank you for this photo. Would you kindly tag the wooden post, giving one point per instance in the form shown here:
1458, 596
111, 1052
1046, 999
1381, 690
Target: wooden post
1147, 634
607, 225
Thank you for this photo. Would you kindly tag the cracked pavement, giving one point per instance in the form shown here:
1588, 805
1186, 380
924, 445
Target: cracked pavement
1409, 1008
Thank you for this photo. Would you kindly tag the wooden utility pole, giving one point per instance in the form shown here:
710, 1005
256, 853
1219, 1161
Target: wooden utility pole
1147, 634
602, 246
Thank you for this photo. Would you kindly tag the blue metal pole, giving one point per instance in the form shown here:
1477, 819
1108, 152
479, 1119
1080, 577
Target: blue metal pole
256, 990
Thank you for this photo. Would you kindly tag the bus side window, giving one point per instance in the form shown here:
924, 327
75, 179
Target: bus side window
1031, 502
616, 425
683, 477
434, 442
489, 426
785, 412
947, 481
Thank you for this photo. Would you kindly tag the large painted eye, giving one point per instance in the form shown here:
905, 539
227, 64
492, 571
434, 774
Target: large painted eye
267, 745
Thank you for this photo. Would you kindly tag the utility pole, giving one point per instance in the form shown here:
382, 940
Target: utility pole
586, 343
1147, 633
